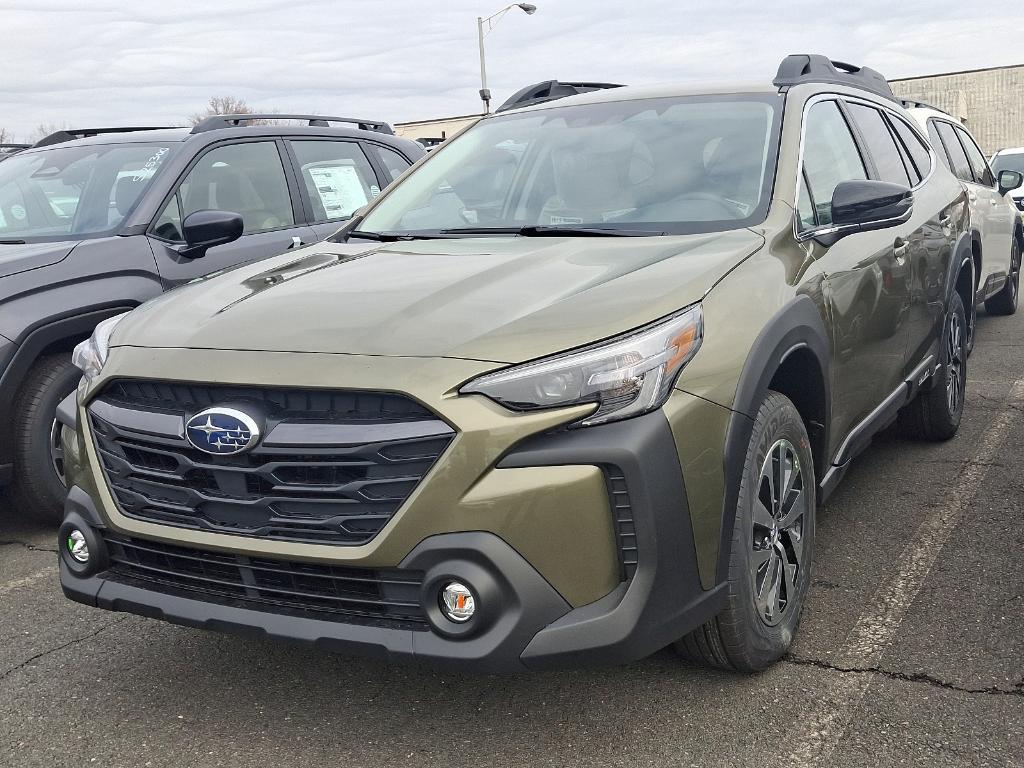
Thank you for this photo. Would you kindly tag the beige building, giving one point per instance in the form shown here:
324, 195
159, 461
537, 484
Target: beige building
433, 130
989, 101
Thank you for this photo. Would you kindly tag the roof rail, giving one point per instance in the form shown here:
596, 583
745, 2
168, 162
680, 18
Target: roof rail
4, 148
914, 103
70, 134
549, 90
214, 122
815, 68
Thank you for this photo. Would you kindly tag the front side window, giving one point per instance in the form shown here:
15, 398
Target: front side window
976, 158
74, 191
656, 166
1008, 161
880, 144
338, 177
247, 179
957, 156
830, 157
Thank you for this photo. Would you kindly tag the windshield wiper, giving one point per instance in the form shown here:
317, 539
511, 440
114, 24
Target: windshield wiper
12, 242
552, 230
384, 237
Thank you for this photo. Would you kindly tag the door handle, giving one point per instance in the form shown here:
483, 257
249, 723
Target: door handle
899, 250
296, 243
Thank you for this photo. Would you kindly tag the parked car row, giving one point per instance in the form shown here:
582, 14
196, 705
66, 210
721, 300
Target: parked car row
571, 390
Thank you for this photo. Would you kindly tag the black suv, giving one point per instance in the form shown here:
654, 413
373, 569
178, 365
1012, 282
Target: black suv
94, 222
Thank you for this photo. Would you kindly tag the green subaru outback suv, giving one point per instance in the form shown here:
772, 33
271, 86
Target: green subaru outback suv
570, 391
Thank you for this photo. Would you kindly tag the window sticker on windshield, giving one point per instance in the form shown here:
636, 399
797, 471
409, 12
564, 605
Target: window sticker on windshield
339, 187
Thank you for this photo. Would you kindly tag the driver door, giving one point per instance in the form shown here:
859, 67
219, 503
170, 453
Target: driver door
247, 178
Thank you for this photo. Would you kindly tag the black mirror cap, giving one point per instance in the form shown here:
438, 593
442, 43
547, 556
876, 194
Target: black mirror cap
870, 204
203, 230
1009, 181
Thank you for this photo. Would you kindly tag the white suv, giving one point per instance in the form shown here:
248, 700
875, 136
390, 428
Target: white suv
995, 224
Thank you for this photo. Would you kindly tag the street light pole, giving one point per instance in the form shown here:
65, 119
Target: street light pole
485, 93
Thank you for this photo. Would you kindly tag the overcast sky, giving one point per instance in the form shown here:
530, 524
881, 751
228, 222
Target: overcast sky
109, 62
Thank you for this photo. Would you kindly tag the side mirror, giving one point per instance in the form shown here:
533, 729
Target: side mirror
860, 206
1009, 181
205, 229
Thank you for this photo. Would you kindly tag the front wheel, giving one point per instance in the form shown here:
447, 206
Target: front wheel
772, 546
38, 489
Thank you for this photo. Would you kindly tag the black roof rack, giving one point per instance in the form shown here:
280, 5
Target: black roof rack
214, 122
815, 68
70, 134
549, 90
912, 103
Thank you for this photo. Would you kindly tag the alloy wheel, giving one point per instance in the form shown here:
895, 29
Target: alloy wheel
778, 543
57, 452
954, 354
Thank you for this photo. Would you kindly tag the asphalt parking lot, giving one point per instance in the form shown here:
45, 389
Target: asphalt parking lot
911, 651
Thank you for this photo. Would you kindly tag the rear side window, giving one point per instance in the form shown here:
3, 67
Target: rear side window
940, 152
915, 146
982, 173
880, 144
394, 163
830, 157
338, 177
957, 156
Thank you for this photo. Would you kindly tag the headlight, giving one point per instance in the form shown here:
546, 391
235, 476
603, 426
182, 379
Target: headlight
89, 356
626, 376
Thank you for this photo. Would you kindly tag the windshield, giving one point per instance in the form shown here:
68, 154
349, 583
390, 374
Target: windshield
74, 192
1008, 162
650, 166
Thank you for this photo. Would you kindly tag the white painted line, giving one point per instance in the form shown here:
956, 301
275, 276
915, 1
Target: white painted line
26, 581
818, 735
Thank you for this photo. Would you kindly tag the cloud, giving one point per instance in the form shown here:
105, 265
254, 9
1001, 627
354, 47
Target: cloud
101, 62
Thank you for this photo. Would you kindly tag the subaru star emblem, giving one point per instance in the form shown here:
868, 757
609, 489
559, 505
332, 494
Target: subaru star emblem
222, 431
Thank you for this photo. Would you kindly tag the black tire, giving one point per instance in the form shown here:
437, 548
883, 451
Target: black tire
742, 636
1005, 302
38, 491
936, 412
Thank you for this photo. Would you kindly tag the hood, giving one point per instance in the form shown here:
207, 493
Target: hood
504, 300
21, 258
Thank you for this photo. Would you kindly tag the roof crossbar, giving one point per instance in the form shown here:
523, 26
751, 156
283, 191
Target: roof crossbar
215, 122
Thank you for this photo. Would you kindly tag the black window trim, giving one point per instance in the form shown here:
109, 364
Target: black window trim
859, 137
925, 144
949, 156
286, 168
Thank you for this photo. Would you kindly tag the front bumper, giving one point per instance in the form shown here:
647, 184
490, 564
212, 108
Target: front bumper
527, 623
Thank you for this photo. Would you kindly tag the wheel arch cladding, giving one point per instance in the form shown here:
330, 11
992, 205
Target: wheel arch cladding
967, 257
54, 336
793, 351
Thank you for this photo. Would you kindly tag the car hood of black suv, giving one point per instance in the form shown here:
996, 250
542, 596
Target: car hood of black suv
20, 257
501, 299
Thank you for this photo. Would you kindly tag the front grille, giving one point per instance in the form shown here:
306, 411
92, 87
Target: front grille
622, 516
333, 467
381, 597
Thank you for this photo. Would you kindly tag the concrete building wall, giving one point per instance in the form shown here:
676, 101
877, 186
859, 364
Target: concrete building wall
989, 101
442, 128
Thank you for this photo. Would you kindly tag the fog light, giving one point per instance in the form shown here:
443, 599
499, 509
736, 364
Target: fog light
457, 602
77, 547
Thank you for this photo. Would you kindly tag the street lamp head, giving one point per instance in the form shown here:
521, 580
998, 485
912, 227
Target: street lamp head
529, 8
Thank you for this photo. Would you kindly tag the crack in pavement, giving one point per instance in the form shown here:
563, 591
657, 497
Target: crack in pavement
25, 544
50, 651
916, 677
